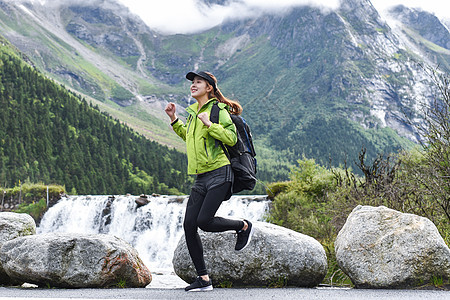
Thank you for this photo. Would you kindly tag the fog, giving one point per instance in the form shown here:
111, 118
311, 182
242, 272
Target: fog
192, 16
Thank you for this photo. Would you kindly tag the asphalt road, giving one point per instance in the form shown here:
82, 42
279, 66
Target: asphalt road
221, 293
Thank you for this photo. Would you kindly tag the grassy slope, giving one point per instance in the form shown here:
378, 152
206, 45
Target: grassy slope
442, 55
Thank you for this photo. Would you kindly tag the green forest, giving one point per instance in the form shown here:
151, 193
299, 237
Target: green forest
52, 135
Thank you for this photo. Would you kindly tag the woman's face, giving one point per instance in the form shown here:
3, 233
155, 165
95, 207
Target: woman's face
200, 88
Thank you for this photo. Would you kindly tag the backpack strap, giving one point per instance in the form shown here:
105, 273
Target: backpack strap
214, 118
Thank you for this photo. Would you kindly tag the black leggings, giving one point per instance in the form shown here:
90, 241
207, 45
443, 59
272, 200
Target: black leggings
200, 213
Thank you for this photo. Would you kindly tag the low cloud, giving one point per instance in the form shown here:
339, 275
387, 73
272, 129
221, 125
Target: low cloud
109, 4
438, 7
191, 16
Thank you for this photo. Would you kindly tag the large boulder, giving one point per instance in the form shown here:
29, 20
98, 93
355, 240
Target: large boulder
379, 247
74, 261
275, 256
13, 225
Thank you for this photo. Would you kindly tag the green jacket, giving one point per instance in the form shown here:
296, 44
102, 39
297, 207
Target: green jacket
202, 153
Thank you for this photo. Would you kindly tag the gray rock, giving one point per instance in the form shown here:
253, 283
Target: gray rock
275, 256
74, 261
382, 248
13, 225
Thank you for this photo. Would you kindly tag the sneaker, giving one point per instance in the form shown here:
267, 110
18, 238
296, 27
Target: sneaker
244, 237
199, 285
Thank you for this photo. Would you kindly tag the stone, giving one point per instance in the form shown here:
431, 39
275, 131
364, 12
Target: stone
379, 247
13, 225
142, 200
275, 256
70, 260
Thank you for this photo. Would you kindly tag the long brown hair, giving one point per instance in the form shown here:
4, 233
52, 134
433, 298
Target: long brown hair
234, 107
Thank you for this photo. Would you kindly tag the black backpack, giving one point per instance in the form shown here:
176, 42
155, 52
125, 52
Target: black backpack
241, 155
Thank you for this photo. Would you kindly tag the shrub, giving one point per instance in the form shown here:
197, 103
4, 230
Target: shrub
35, 210
302, 205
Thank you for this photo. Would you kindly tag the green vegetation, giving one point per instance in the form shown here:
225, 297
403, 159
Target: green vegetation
302, 204
137, 117
32, 197
120, 94
317, 200
280, 282
32, 192
35, 210
122, 283
225, 284
51, 135
437, 281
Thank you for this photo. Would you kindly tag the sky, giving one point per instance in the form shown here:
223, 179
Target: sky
190, 16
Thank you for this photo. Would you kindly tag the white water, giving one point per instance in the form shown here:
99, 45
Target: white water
153, 230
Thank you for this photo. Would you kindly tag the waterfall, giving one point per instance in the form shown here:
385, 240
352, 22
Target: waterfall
153, 230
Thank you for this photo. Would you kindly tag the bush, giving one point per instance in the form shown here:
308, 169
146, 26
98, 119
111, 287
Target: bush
430, 167
33, 192
317, 200
302, 205
35, 210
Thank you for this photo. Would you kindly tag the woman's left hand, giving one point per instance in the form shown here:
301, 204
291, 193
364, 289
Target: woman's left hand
204, 117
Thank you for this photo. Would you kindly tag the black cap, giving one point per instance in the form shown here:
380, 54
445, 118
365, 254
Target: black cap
191, 75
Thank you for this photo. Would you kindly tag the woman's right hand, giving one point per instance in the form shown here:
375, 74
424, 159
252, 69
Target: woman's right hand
171, 110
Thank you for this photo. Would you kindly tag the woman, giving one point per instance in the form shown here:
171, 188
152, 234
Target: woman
209, 162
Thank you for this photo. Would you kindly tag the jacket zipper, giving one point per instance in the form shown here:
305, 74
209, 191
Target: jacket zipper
190, 122
206, 149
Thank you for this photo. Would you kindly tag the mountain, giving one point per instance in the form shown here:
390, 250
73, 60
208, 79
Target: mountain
95, 50
424, 24
313, 82
49, 134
